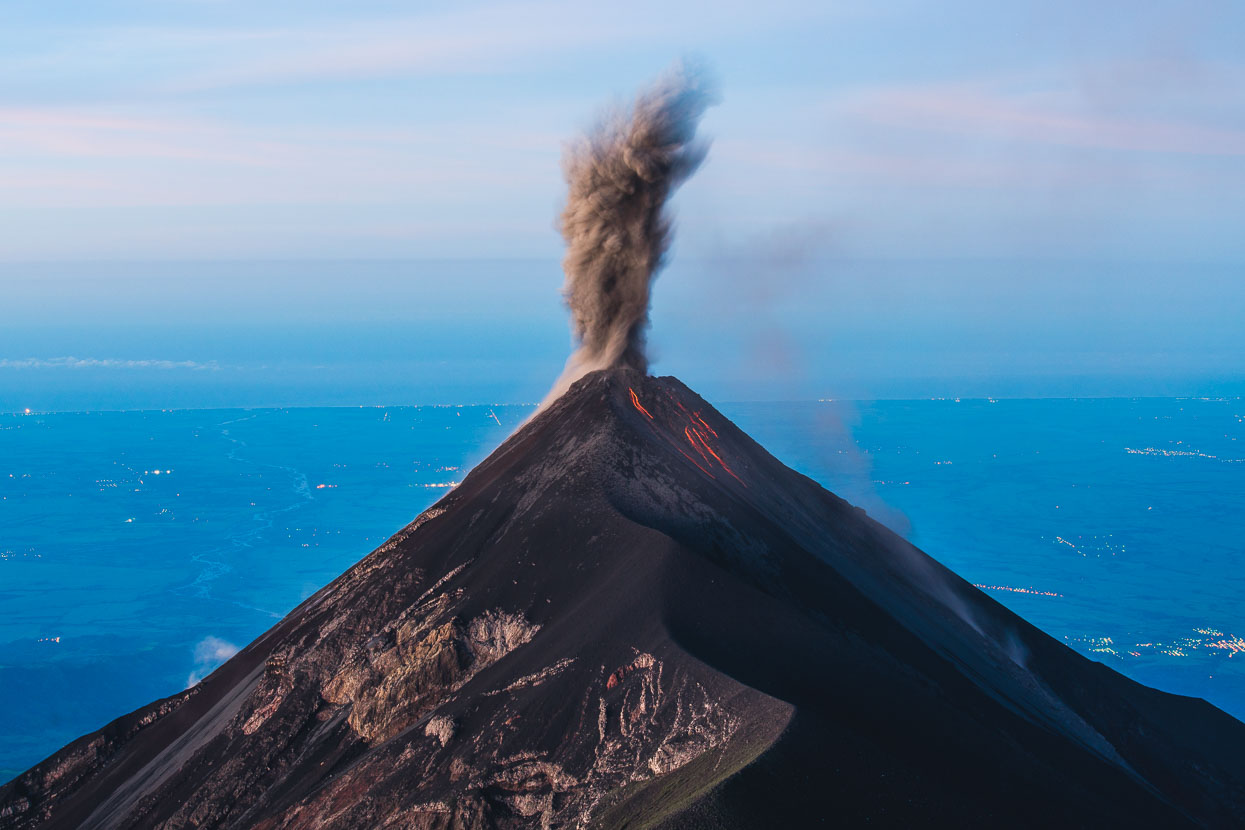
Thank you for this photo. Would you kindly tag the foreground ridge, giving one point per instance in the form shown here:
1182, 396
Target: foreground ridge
631, 615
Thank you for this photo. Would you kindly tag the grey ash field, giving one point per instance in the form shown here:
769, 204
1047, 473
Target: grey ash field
632, 615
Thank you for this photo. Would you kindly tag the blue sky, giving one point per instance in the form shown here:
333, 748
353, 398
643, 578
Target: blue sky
902, 198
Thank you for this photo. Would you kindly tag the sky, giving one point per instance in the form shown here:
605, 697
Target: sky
208, 202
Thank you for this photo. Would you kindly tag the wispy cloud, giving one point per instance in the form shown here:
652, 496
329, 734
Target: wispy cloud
87, 132
103, 363
209, 653
499, 37
468, 39
109, 157
985, 112
812, 165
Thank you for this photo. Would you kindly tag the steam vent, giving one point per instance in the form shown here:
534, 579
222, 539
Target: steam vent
631, 615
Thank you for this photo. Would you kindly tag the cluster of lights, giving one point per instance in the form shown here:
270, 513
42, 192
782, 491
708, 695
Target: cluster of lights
12, 554
1180, 454
1033, 591
1211, 640
1093, 544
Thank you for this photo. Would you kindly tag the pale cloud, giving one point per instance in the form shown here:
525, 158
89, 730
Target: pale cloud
120, 159
812, 165
982, 112
459, 43
468, 39
494, 38
86, 132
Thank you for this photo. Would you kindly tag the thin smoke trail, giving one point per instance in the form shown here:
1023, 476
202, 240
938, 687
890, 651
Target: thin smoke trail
616, 227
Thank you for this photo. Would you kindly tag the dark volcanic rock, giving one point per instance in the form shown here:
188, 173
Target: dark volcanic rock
631, 615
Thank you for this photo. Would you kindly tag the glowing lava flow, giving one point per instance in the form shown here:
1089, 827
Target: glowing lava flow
699, 442
635, 401
697, 432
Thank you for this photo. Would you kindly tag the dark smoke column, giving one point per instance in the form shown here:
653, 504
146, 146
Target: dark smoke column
617, 232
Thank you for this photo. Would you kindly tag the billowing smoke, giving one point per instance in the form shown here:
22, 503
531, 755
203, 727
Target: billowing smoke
615, 223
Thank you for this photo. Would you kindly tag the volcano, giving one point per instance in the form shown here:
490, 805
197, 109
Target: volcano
631, 615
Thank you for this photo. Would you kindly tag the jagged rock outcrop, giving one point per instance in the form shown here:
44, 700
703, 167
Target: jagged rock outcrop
631, 615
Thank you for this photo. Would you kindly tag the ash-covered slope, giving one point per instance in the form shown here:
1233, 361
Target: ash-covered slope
632, 615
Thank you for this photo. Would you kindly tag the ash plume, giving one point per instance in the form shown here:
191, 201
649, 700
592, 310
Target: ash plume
617, 231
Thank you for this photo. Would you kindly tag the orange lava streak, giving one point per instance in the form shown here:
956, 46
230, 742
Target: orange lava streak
692, 440
702, 469
711, 452
694, 435
725, 466
635, 401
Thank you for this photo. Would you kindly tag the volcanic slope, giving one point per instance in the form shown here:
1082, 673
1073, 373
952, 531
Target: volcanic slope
631, 615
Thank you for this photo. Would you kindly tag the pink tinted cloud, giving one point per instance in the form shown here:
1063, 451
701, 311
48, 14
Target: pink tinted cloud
86, 133
822, 165
495, 37
980, 112
202, 162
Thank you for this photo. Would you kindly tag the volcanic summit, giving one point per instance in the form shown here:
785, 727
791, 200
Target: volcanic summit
631, 615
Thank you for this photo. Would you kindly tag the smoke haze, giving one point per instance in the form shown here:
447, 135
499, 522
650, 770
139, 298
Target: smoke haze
210, 653
616, 228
